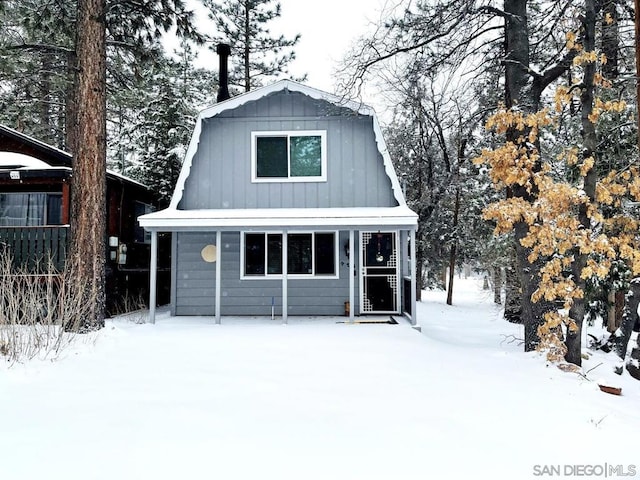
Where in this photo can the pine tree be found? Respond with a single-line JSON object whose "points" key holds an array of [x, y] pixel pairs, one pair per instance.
{"points": [[256, 54], [37, 67], [86, 258], [163, 120]]}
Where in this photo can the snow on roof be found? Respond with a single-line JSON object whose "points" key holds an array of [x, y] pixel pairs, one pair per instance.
{"points": [[15, 161], [291, 86], [279, 217]]}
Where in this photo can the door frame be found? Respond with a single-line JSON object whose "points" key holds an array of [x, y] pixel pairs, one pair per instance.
{"points": [[362, 275]]}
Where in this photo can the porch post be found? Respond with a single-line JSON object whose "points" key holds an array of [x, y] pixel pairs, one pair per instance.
{"points": [[285, 268], [153, 269], [412, 267], [218, 276], [352, 305]]}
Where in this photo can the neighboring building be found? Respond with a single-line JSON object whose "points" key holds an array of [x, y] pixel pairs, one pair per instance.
{"points": [[288, 202], [35, 199]]}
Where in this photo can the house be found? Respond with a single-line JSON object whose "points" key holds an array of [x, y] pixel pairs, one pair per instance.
{"points": [[35, 204], [288, 204]]}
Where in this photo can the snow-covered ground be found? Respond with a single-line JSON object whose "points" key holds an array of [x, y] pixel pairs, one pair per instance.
{"points": [[315, 399]]}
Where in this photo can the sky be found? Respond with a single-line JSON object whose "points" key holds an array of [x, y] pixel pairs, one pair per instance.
{"points": [[327, 33]]}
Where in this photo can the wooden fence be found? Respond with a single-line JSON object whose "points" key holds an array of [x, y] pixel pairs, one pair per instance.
{"points": [[32, 247]]}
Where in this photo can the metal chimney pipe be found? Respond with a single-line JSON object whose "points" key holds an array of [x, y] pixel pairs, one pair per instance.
{"points": [[223, 50]]}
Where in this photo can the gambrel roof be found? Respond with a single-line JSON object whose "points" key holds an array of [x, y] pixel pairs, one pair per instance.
{"points": [[176, 218]]}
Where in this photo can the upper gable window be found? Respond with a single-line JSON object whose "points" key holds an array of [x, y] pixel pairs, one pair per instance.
{"points": [[289, 156]]}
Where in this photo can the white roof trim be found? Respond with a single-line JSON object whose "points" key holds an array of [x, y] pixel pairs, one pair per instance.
{"points": [[279, 217], [259, 93]]}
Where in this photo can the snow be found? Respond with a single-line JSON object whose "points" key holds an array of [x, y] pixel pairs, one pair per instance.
{"points": [[15, 160], [314, 399], [281, 217]]}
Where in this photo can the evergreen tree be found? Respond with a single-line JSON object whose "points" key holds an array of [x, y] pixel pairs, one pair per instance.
{"points": [[86, 258], [36, 67], [256, 54], [87, 252], [156, 138]]}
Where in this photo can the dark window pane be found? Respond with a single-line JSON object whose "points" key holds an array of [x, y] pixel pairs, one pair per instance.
{"points": [[299, 253], [35, 211], [140, 235], [271, 157], [379, 250], [22, 209], [306, 155], [54, 209], [274, 253], [13, 209], [254, 254], [325, 254]]}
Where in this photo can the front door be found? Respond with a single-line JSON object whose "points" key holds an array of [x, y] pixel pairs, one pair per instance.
{"points": [[379, 273]]}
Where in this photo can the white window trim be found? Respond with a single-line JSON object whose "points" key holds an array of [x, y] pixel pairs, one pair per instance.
{"points": [[308, 276], [289, 133]]}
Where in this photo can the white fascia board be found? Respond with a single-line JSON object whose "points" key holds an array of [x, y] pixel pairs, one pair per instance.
{"points": [[279, 86], [388, 164], [186, 164], [280, 217]]}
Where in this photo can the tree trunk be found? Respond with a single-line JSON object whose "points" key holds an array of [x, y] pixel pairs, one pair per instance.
{"points": [[512, 292], [497, 285], [573, 340], [611, 311], [444, 276], [619, 341], [523, 92], [70, 111], [637, 42], [419, 280], [247, 46], [634, 361], [454, 247], [516, 95], [46, 122], [456, 213], [452, 270], [86, 259]]}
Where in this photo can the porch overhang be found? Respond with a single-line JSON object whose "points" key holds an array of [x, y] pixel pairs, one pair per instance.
{"points": [[400, 217]]}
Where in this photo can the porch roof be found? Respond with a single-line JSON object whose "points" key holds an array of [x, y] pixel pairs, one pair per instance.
{"points": [[272, 218]]}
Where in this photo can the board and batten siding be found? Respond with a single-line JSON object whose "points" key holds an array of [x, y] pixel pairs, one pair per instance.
{"points": [[195, 279], [220, 175]]}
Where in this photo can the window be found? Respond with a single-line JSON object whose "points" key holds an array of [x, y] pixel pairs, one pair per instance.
{"points": [[308, 254], [289, 156], [30, 209], [139, 234]]}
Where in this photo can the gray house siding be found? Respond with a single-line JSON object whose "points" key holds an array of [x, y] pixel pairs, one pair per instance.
{"points": [[194, 281], [220, 175]]}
